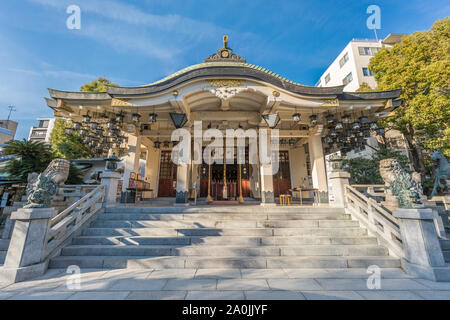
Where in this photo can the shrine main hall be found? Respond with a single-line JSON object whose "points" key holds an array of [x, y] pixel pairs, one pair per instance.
{"points": [[224, 92]]}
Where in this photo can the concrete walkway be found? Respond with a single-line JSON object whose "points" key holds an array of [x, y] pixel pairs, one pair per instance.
{"points": [[224, 284]]}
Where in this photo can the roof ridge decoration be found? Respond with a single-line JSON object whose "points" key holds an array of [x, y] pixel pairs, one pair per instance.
{"points": [[225, 54]]}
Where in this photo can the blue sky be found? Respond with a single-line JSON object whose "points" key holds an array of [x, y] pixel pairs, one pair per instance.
{"points": [[136, 42]]}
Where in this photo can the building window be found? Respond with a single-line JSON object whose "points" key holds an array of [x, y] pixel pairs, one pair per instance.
{"points": [[327, 78], [367, 51], [43, 124], [343, 60], [367, 72], [347, 79]]}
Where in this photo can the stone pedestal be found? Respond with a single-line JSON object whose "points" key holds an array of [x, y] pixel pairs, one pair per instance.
{"points": [[338, 180], [24, 259], [391, 201], [110, 179], [423, 254]]}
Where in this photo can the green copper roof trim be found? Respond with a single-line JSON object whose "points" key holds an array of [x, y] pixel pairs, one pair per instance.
{"points": [[221, 64]]}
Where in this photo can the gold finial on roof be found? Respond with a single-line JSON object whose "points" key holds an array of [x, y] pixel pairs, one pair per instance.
{"points": [[225, 41]]}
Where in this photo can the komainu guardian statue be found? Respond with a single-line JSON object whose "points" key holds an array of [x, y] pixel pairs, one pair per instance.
{"points": [[407, 188], [45, 186]]}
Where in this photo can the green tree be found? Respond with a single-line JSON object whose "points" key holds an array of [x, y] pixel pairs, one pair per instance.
{"points": [[75, 175], [365, 88], [367, 171], [68, 146], [34, 157], [98, 85], [420, 66]]}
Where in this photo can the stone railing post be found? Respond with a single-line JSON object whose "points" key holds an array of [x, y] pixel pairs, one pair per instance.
{"points": [[110, 179], [423, 255], [24, 259], [338, 180]]}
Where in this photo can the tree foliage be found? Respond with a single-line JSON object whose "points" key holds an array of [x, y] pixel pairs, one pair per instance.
{"points": [[420, 66], [68, 146], [365, 88], [98, 85], [34, 157], [367, 171]]}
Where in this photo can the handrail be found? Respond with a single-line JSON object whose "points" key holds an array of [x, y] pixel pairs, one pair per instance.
{"points": [[64, 224], [379, 221]]}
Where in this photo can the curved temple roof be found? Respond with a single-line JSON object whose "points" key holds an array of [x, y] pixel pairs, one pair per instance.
{"points": [[224, 64]]}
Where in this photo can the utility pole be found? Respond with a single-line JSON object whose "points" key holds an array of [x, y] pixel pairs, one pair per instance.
{"points": [[11, 109]]}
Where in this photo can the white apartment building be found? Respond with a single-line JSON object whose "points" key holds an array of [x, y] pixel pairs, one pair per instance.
{"points": [[42, 132], [351, 67], [7, 130]]}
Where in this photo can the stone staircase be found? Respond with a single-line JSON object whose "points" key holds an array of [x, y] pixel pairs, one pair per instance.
{"points": [[228, 237]]}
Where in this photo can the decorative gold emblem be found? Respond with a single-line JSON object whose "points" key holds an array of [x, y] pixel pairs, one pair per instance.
{"points": [[175, 93], [224, 54], [330, 103], [225, 83], [120, 103], [276, 94]]}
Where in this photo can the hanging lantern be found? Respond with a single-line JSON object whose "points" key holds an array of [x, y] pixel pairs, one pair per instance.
{"points": [[296, 117], [110, 125], [366, 133], [135, 117], [282, 142], [346, 118], [330, 118], [178, 119], [356, 125], [157, 144], [152, 117], [272, 120], [380, 131], [373, 126], [104, 118], [83, 132], [313, 119], [363, 120], [333, 132], [339, 126], [94, 125], [166, 144], [291, 142], [76, 125], [119, 117], [86, 118]]}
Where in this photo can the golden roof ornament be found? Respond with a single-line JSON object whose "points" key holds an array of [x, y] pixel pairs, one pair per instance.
{"points": [[225, 54]]}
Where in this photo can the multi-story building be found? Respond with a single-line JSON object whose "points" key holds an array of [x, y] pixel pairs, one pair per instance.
{"points": [[351, 67], [43, 131], [7, 130]]}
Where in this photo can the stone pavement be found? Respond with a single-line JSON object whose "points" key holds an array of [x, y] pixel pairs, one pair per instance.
{"points": [[224, 284]]}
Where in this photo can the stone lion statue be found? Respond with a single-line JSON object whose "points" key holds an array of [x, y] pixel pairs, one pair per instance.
{"points": [[45, 186], [407, 188]]}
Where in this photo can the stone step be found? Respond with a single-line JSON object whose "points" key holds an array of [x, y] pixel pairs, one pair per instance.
{"points": [[223, 240], [108, 262], [225, 224], [171, 232], [219, 251], [228, 209], [223, 216]]}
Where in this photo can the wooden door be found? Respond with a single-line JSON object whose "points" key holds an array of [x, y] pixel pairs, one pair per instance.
{"points": [[167, 175], [282, 179]]}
